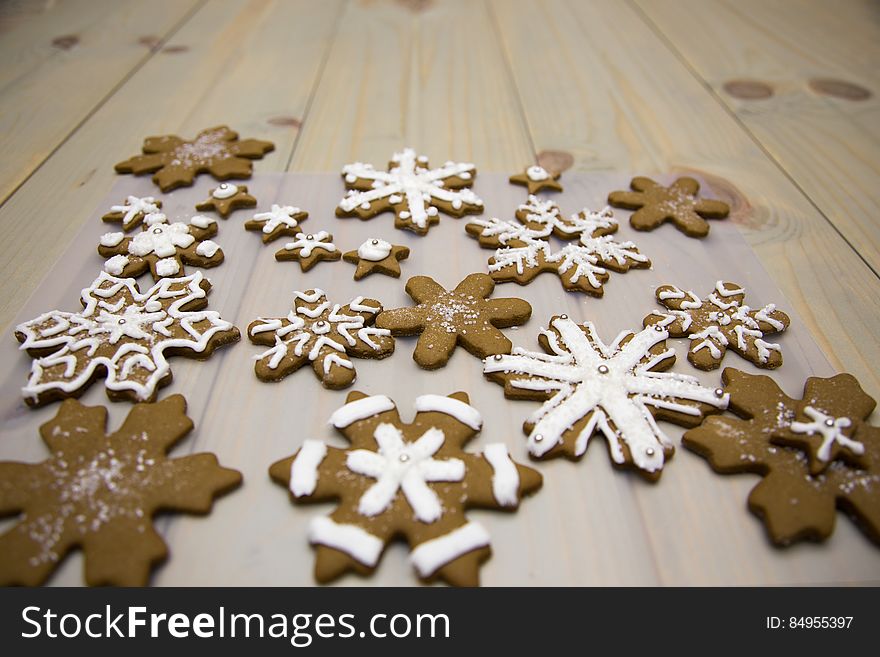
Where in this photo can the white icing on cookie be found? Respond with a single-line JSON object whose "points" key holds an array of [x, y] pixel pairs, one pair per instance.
{"points": [[831, 430], [464, 413], [167, 267], [112, 239], [505, 477], [374, 250], [537, 174], [310, 242], [435, 553], [351, 539], [163, 240], [278, 216], [304, 468], [116, 265], [360, 409], [207, 249], [224, 190]]}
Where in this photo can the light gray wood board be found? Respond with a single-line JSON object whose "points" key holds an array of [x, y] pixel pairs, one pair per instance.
{"points": [[589, 525]]}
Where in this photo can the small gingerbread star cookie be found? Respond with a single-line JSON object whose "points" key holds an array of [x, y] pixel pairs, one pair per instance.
{"points": [[537, 179], [227, 197], [377, 256], [310, 249], [280, 221], [134, 211]]}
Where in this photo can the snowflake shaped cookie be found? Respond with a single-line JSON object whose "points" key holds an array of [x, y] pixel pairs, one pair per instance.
{"points": [[655, 204], [226, 198], [162, 249], [310, 249], [280, 221], [176, 162], [815, 455], [537, 179], [123, 335], [617, 390], [135, 210], [320, 333], [99, 492], [523, 250], [415, 193], [411, 481], [718, 323], [466, 316]]}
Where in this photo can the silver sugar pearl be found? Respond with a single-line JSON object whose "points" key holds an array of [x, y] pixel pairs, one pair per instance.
{"points": [[563, 317], [498, 356], [603, 369], [122, 321], [538, 437], [719, 392], [374, 242], [404, 458], [650, 451], [829, 422]]}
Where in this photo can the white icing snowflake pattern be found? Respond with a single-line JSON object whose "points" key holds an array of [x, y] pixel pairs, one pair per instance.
{"points": [[590, 386], [831, 430], [415, 193]]}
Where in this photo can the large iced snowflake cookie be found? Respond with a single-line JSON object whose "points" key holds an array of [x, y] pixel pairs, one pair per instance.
{"points": [[655, 204], [415, 193], [523, 249], [618, 390], [718, 323], [121, 334], [323, 334], [99, 492], [404, 480], [175, 162], [162, 248], [445, 318], [816, 455]]}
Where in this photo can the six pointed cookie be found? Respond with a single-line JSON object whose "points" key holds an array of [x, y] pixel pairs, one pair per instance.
{"points": [[310, 249], [176, 162], [280, 221], [99, 492], [410, 481], [466, 316], [325, 335], [162, 249], [135, 210], [718, 323], [226, 198], [678, 203], [537, 179], [377, 256], [805, 482]]}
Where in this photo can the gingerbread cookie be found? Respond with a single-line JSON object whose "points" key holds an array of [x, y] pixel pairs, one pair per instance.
{"points": [[415, 193], [814, 454], [718, 323], [162, 249], [590, 387], [176, 162], [226, 198], [523, 250], [280, 221], [404, 480], [99, 493], [377, 256], [678, 203], [322, 334], [537, 179], [123, 335], [310, 249], [135, 210], [466, 316]]}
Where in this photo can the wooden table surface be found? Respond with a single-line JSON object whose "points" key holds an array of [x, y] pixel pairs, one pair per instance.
{"points": [[774, 101]]}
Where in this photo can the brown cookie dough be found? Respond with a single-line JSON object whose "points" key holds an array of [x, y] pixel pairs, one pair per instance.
{"points": [[176, 162], [162, 249], [537, 179], [122, 335], [718, 323], [135, 210], [678, 203], [310, 249], [280, 221], [322, 333], [99, 493], [377, 256], [466, 316], [812, 461], [410, 481], [226, 198]]}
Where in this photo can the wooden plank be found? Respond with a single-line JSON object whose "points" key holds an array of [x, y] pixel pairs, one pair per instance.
{"points": [[830, 146], [251, 65], [60, 60], [427, 75], [595, 75]]}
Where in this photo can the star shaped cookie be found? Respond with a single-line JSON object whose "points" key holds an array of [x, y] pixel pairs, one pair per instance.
{"points": [[377, 256], [465, 316], [537, 179], [280, 221], [226, 198], [310, 249]]}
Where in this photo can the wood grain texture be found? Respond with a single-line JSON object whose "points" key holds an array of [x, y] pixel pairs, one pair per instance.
{"points": [[432, 78], [625, 102], [828, 144], [60, 60], [245, 63]]}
